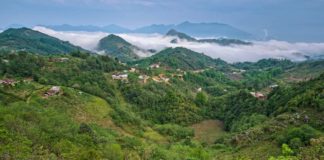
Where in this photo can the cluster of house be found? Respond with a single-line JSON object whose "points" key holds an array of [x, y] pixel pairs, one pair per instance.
{"points": [[8, 82], [160, 78], [258, 95], [55, 90]]}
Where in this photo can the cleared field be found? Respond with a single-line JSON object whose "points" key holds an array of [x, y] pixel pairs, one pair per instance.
{"points": [[208, 131]]}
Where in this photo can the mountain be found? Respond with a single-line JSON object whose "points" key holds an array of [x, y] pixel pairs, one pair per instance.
{"points": [[155, 28], [180, 35], [220, 41], [25, 39], [181, 58], [90, 28], [199, 30], [194, 29], [117, 47]]}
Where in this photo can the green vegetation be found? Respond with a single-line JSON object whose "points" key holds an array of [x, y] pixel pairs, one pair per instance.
{"points": [[181, 58], [117, 47], [200, 112], [24, 39]]}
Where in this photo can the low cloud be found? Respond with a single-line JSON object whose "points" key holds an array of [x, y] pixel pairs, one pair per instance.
{"points": [[234, 53], [86, 40]]}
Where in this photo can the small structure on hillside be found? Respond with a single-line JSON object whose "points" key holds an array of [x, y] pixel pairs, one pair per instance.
{"points": [[273, 86], [198, 71], [8, 82], [155, 65], [199, 89], [120, 76], [53, 91], [179, 76], [143, 78], [132, 70], [258, 95], [62, 59], [161, 78]]}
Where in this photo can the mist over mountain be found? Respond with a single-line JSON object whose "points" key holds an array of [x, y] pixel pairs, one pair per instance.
{"points": [[194, 29], [231, 53]]}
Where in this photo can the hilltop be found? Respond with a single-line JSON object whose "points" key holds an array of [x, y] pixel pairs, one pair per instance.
{"points": [[117, 47], [25, 39], [181, 58]]}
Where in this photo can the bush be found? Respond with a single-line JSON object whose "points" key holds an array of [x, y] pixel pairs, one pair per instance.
{"points": [[303, 133], [175, 131]]}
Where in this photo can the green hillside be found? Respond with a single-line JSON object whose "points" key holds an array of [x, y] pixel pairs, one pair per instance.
{"points": [[24, 39], [117, 47], [181, 58], [206, 112]]}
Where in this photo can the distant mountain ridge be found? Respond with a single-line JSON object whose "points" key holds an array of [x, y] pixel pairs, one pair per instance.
{"points": [[220, 41], [90, 28], [194, 29], [25, 39]]}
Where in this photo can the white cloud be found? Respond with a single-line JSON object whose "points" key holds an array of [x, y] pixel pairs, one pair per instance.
{"points": [[87, 40], [235, 53]]}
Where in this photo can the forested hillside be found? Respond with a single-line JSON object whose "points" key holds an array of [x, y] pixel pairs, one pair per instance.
{"points": [[25, 39], [87, 106]]}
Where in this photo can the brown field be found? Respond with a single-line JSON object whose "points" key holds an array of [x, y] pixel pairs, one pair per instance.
{"points": [[208, 131]]}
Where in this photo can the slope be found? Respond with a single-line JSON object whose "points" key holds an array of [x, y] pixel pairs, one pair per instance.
{"points": [[24, 39]]}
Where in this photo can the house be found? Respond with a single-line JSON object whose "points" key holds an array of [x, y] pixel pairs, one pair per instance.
{"points": [[258, 95], [273, 86], [132, 70], [53, 91], [62, 59], [179, 76], [161, 78], [143, 78], [155, 65], [120, 76], [198, 71], [199, 89], [8, 82]]}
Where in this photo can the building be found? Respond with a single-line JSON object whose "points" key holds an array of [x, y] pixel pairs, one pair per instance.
{"points": [[161, 78], [8, 82], [53, 91], [273, 86], [258, 95], [62, 59], [120, 76], [155, 65], [143, 78], [132, 70]]}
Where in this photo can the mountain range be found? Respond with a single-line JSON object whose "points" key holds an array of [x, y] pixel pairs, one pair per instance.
{"points": [[194, 29]]}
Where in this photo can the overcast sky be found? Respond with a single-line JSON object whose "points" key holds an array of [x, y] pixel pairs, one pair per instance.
{"points": [[292, 20]]}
